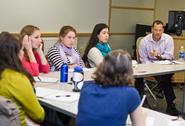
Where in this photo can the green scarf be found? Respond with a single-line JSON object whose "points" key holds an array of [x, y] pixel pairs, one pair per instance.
{"points": [[104, 48]]}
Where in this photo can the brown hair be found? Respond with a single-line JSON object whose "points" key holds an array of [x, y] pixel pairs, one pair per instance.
{"points": [[157, 22], [115, 70], [65, 30], [27, 30]]}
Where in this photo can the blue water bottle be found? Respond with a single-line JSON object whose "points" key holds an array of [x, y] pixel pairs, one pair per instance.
{"points": [[64, 73], [181, 54]]}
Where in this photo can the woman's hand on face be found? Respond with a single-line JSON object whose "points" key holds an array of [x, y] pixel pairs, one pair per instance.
{"points": [[40, 48], [27, 43]]}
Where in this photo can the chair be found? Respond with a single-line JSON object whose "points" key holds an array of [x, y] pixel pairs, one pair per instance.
{"points": [[9, 113], [147, 80]]}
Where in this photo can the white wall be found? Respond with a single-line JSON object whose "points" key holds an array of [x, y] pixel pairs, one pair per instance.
{"points": [[51, 15]]}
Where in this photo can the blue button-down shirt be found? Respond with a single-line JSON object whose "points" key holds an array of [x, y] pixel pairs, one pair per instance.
{"points": [[164, 47]]}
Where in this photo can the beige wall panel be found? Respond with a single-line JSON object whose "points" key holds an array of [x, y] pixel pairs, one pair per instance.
{"points": [[116, 42], [134, 3], [163, 6], [122, 42], [82, 42], [124, 21]]}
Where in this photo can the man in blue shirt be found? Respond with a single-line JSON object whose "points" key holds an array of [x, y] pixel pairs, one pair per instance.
{"points": [[159, 46]]}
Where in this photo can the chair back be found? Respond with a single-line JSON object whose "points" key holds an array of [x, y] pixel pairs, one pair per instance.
{"points": [[9, 113], [138, 42]]}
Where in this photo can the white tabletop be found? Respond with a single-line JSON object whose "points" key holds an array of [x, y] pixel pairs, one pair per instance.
{"points": [[71, 108], [141, 70], [152, 69]]}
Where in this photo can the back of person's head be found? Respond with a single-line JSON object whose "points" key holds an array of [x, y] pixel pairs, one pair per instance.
{"points": [[65, 30], [27, 30], [94, 38], [9, 54], [115, 70], [9, 50]]}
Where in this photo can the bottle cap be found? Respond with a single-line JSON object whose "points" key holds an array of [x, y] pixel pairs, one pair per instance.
{"points": [[78, 69]]}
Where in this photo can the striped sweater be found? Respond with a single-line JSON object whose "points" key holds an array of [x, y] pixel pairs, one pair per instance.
{"points": [[56, 60]]}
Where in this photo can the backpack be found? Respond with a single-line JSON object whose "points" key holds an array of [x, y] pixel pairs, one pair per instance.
{"points": [[9, 113]]}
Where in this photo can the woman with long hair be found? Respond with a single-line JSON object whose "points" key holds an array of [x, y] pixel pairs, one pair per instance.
{"points": [[33, 60], [97, 47], [16, 83]]}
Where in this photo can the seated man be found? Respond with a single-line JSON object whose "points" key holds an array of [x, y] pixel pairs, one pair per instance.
{"points": [[158, 46]]}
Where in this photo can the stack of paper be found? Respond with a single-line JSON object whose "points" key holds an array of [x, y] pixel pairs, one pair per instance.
{"points": [[168, 62], [163, 62]]}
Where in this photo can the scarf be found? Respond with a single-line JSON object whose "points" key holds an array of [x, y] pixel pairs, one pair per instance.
{"points": [[69, 55], [104, 48]]}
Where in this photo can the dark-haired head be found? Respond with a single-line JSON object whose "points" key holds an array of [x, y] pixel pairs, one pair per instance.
{"points": [[94, 38], [9, 54], [115, 70]]}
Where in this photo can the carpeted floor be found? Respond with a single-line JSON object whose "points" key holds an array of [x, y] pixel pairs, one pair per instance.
{"points": [[160, 104]]}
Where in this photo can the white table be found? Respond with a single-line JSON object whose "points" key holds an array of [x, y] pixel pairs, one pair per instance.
{"points": [[71, 109], [142, 70]]}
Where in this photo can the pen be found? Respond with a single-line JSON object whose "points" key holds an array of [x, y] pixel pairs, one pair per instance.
{"points": [[143, 99], [39, 78], [57, 96]]}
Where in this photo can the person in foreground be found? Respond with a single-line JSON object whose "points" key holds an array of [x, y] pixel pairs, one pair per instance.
{"points": [[63, 51], [108, 100], [33, 60], [97, 47], [159, 46], [16, 83]]}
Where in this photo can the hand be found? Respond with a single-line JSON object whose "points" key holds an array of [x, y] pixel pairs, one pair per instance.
{"points": [[154, 53], [40, 48], [26, 43]]}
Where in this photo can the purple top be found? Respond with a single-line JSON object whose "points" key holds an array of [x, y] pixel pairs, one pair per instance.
{"points": [[164, 47]]}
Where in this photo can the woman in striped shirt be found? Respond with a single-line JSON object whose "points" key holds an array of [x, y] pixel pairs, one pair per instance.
{"points": [[63, 51]]}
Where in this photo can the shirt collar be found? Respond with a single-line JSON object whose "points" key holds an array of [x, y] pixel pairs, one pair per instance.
{"points": [[161, 40]]}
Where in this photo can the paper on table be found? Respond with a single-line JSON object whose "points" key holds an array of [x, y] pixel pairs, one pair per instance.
{"points": [[63, 96], [43, 92], [168, 62], [57, 95], [45, 79], [163, 62]]}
